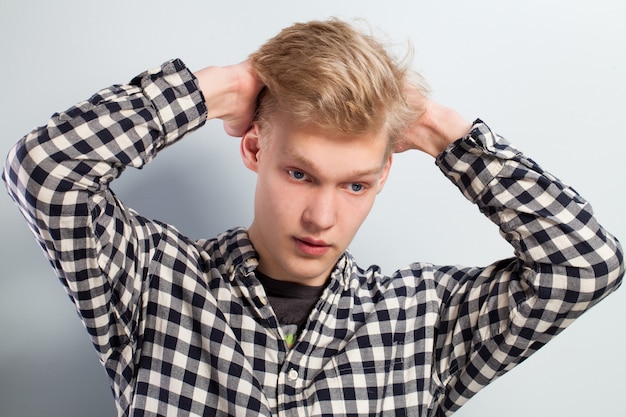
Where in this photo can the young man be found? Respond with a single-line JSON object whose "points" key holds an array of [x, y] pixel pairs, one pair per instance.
{"points": [[278, 319]]}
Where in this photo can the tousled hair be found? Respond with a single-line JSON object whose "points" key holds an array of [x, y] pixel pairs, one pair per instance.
{"points": [[328, 75]]}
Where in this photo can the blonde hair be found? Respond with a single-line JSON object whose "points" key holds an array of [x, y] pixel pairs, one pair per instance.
{"points": [[328, 75]]}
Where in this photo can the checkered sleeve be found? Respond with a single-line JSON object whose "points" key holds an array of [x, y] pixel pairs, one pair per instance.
{"points": [[493, 318], [59, 176]]}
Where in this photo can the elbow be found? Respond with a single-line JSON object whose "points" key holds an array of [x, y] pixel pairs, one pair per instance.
{"points": [[588, 282], [22, 174], [608, 270]]}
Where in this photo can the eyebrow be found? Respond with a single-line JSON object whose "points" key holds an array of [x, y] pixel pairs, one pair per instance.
{"points": [[301, 159]]}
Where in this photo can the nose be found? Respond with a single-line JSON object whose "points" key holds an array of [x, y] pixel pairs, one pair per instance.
{"points": [[320, 212]]}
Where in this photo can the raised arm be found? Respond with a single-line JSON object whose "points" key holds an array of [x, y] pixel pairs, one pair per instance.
{"points": [[60, 175], [493, 318]]}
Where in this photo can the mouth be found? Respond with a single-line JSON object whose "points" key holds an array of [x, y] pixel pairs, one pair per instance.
{"points": [[311, 247]]}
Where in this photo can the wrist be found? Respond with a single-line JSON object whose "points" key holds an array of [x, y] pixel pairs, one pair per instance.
{"points": [[217, 86], [446, 126]]}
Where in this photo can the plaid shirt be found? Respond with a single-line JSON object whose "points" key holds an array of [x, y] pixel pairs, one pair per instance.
{"points": [[183, 327]]}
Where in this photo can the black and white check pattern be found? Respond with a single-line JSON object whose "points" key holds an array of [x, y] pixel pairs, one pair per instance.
{"points": [[184, 327]]}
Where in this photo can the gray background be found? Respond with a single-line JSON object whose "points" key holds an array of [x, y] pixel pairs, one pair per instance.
{"points": [[548, 75]]}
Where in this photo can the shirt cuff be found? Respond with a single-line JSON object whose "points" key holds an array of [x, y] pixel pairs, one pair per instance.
{"points": [[176, 96], [473, 161]]}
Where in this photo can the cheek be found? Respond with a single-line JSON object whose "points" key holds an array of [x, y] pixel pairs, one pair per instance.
{"points": [[354, 213], [274, 200]]}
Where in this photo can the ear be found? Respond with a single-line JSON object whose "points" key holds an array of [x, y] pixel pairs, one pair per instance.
{"points": [[384, 174], [250, 148]]}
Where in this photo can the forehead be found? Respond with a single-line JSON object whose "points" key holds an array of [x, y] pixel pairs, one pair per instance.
{"points": [[284, 127], [325, 150]]}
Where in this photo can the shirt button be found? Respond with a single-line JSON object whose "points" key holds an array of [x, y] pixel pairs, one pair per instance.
{"points": [[292, 375]]}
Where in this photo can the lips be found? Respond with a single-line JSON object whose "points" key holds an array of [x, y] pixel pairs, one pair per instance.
{"points": [[311, 247]]}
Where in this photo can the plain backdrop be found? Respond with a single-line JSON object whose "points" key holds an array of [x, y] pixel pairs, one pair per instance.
{"points": [[547, 75]]}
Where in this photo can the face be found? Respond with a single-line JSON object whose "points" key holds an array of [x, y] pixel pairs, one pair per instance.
{"points": [[314, 190]]}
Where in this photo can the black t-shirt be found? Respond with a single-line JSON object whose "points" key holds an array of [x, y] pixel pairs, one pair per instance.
{"points": [[291, 302]]}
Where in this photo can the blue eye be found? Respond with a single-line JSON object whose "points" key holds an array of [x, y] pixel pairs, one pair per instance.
{"points": [[297, 175], [356, 187]]}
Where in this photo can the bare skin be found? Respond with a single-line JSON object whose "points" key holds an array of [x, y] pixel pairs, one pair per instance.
{"points": [[230, 94], [434, 129]]}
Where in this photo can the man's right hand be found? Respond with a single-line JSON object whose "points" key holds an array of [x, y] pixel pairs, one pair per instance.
{"points": [[230, 94]]}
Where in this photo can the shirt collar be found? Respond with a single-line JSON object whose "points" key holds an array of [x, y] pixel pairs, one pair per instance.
{"points": [[240, 256]]}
